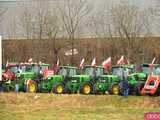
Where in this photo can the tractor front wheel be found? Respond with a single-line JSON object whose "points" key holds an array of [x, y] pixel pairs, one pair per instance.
{"points": [[32, 87], [58, 88], [86, 88], [114, 89]]}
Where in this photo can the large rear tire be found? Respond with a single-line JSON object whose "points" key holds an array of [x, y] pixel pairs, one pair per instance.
{"points": [[138, 88]]}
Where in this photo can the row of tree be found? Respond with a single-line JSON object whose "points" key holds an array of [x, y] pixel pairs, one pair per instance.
{"points": [[121, 29]]}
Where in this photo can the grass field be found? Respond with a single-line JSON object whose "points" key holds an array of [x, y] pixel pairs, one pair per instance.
{"points": [[25, 106]]}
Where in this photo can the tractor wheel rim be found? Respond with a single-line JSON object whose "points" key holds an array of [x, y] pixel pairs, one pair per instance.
{"points": [[86, 89], [115, 90], [59, 89], [32, 87]]}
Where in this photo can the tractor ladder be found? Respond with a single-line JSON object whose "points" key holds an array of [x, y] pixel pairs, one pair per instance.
{"points": [[151, 85]]}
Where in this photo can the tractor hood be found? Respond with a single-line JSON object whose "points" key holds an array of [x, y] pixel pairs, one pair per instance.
{"points": [[140, 75], [81, 76], [113, 77], [27, 75], [56, 77]]}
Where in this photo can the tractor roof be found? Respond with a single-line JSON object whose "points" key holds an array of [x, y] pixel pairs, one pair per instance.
{"points": [[68, 67], [92, 66], [123, 66], [147, 65]]}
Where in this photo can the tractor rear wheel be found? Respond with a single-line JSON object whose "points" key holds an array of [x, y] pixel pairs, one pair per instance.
{"points": [[138, 89], [58, 88], [86, 88]]}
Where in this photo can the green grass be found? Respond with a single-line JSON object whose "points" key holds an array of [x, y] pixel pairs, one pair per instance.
{"points": [[24, 106]]}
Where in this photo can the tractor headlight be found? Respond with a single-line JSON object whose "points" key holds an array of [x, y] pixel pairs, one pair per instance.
{"points": [[74, 81]]}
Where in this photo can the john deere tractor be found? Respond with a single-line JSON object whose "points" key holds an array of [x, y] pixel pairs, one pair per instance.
{"points": [[26, 78], [111, 82], [57, 83], [84, 83]]}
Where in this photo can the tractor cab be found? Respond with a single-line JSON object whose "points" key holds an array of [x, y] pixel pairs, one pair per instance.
{"points": [[67, 71], [122, 71], [148, 68], [93, 71]]}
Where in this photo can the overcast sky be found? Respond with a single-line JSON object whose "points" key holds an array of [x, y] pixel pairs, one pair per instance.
{"points": [[12, 5]]}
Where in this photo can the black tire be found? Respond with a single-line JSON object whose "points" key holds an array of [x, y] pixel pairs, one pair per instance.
{"points": [[66, 90], [111, 89], [87, 85], [58, 88], [138, 88], [157, 93]]}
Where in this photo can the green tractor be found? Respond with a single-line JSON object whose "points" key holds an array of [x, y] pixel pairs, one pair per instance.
{"points": [[27, 76], [57, 83], [84, 83], [111, 82], [137, 79]]}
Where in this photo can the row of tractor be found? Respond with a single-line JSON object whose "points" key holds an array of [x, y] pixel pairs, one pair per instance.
{"points": [[33, 77]]}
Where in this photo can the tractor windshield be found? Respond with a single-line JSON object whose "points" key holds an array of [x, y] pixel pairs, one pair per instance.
{"points": [[117, 71], [63, 71], [89, 71], [14, 69], [99, 71], [35, 69], [72, 72]]}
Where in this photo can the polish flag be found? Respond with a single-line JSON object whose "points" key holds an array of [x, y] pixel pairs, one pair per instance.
{"points": [[93, 64], [107, 63], [30, 60], [153, 60], [152, 65], [82, 63], [121, 61]]}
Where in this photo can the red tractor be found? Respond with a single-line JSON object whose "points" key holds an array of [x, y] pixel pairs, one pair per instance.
{"points": [[10, 72], [152, 85]]}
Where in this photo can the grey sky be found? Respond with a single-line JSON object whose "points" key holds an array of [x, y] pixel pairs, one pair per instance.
{"points": [[13, 8]]}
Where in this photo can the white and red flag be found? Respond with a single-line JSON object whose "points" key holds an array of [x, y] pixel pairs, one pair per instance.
{"points": [[82, 63], [93, 64], [30, 60], [107, 63], [152, 65], [121, 61]]}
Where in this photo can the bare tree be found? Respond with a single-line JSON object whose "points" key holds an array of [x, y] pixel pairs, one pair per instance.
{"points": [[129, 26], [72, 14]]}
